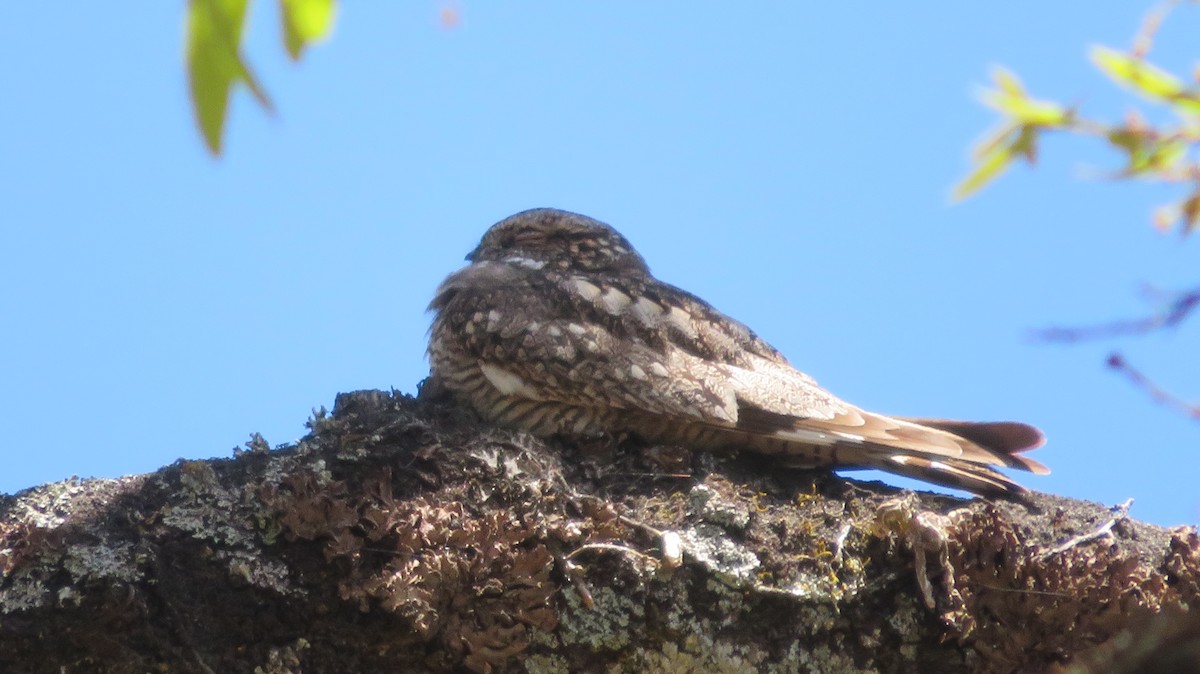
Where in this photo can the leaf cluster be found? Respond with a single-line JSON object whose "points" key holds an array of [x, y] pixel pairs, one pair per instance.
{"points": [[1166, 153], [215, 63]]}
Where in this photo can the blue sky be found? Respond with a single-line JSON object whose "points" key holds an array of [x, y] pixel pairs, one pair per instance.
{"points": [[789, 162]]}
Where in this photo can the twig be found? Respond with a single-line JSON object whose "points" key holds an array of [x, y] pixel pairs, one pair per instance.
{"points": [[1120, 513], [1117, 362], [612, 547], [669, 542], [1179, 308], [639, 525], [1144, 39]]}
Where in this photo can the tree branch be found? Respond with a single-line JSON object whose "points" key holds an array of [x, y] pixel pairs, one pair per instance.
{"points": [[1177, 309], [1117, 362]]}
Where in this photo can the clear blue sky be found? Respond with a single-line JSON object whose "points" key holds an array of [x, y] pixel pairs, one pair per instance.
{"points": [[789, 162]]}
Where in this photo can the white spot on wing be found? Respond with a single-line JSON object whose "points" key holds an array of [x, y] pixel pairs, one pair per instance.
{"points": [[658, 369], [647, 312], [681, 321], [525, 262], [588, 291], [506, 382], [637, 372], [615, 301]]}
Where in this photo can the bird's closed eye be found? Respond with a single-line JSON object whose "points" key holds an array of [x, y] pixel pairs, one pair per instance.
{"points": [[526, 237]]}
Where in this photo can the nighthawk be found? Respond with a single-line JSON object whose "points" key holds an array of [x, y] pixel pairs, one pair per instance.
{"points": [[558, 327]]}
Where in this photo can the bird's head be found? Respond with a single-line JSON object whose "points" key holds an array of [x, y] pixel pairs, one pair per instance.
{"points": [[558, 240]]}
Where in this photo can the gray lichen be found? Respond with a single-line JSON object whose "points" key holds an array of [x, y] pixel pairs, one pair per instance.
{"points": [[404, 536], [707, 545], [607, 625]]}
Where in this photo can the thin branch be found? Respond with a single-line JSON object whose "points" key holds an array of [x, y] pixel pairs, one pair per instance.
{"points": [[1120, 512], [1179, 308], [1144, 40], [611, 547], [1117, 362]]}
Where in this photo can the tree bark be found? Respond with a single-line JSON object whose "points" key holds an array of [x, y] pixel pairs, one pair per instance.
{"points": [[402, 535]]}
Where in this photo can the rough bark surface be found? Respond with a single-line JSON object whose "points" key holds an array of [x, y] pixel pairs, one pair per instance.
{"points": [[402, 535]]}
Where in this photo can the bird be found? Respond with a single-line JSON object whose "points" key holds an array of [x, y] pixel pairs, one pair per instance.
{"points": [[557, 327]]}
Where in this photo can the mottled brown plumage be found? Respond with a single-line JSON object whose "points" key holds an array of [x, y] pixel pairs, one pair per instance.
{"points": [[558, 327]]}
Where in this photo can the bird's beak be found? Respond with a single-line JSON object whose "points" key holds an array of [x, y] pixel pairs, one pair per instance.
{"points": [[471, 255]]}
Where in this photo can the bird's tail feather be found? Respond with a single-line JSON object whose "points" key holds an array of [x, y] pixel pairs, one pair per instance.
{"points": [[957, 454], [1004, 439], [954, 473]]}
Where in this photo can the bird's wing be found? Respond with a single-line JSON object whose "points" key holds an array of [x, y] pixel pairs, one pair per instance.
{"points": [[585, 364], [587, 351]]}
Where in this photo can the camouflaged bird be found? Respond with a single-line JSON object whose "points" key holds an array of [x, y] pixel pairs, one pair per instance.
{"points": [[558, 327]]}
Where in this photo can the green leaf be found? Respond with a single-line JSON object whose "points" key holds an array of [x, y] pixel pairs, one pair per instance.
{"points": [[1010, 99], [1135, 73], [1146, 79], [1148, 153], [987, 169], [1008, 82], [306, 22], [1189, 101], [1027, 110], [989, 143], [1168, 154], [214, 34]]}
